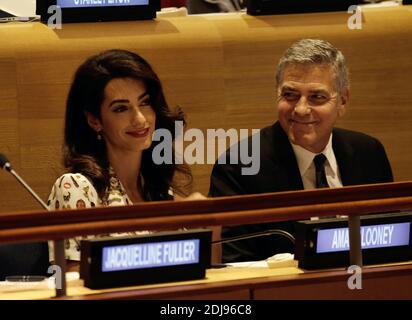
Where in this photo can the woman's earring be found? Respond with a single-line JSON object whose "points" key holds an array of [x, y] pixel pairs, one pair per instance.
{"points": [[99, 136]]}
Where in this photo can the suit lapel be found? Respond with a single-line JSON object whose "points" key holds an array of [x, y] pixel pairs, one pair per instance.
{"points": [[285, 158], [344, 154]]}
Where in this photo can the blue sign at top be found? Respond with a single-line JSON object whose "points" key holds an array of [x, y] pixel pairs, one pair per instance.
{"points": [[100, 3]]}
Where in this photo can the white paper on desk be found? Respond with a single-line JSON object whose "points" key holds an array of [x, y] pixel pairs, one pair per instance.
{"points": [[10, 286], [20, 8], [249, 264], [381, 4], [280, 259], [49, 283]]}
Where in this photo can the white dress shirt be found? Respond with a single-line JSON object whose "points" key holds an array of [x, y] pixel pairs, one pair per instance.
{"points": [[307, 167]]}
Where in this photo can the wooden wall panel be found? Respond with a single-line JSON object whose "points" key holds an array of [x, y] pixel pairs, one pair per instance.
{"points": [[219, 68]]}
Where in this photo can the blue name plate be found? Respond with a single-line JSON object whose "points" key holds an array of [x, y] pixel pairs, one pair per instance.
{"points": [[97, 10], [150, 258], [99, 3], [150, 255], [324, 243], [374, 236]]}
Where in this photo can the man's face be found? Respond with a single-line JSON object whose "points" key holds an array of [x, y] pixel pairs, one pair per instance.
{"points": [[309, 104]]}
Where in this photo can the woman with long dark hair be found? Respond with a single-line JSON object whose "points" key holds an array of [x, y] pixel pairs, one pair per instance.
{"points": [[115, 104]]}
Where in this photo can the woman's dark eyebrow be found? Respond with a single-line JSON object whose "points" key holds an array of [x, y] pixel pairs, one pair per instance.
{"points": [[143, 95], [118, 101]]}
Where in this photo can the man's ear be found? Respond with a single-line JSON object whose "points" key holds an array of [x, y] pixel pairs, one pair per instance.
{"points": [[344, 99], [93, 121]]}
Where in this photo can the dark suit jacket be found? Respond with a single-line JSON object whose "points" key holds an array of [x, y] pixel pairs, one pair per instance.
{"points": [[361, 160]]}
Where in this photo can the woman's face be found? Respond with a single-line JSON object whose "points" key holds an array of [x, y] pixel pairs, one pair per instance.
{"points": [[127, 120]]}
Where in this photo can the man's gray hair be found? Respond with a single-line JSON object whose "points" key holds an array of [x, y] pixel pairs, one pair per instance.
{"points": [[314, 51]]}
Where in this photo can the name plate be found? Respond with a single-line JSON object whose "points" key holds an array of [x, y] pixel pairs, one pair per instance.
{"points": [[153, 258], [324, 243], [375, 236], [96, 10]]}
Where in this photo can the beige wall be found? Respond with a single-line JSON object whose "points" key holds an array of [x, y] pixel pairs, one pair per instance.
{"points": [[219, 68]]}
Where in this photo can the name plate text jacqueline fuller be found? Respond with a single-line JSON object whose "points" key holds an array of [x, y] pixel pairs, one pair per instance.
{"points": [[153, 258], [150, 255]]}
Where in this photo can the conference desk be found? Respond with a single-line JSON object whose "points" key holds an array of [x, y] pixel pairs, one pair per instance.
{"points": [[378, 282], [392, 281]]}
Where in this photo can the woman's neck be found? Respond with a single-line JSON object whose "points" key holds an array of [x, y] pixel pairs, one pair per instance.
{"points": [[127, 168]]}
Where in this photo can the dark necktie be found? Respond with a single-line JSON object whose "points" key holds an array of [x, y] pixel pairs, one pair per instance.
{"points": [[319, 161]]}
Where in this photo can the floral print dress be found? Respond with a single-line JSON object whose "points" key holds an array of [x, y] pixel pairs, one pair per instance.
{"points": [[74, 190]]}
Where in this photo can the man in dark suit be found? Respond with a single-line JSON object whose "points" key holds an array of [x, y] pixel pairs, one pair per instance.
{"points": [[302, 150]]}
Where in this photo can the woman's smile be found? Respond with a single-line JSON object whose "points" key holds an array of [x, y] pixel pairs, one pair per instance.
{"points": [[138, 133]]}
